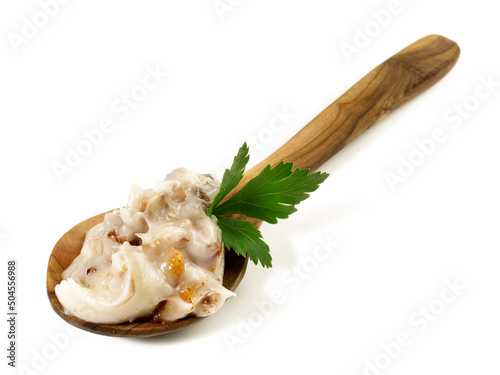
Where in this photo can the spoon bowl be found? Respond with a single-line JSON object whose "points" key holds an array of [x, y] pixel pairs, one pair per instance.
{"points": [[388, 86], [68, 248]]}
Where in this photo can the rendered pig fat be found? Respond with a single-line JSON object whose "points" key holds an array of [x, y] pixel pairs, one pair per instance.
{"points": [[160, 257]]}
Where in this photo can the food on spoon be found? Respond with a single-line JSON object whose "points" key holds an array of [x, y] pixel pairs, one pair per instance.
{"points": [[159, 257], [162, 256]]}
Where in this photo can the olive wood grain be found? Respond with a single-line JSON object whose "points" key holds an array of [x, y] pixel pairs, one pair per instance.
{"points": [[391, 84], [385, 88]]}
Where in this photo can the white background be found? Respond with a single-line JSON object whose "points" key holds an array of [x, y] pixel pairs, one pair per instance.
{"points": [[230, 70]]}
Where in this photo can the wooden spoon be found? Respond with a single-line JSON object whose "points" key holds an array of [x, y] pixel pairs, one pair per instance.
{"points": [[385, 88]]}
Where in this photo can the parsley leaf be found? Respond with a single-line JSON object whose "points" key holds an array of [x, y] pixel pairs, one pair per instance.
{"points": [[243, 238], [270, 196], [231, 177], [273, 194]]}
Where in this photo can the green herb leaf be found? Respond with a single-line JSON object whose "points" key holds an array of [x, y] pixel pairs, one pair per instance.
{"points": [[273, 194], [243, 238], [270, 196], [231, 177]]}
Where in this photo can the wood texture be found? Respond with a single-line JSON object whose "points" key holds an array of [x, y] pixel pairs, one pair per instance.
{"points": [[385, 88], [391, 84]]}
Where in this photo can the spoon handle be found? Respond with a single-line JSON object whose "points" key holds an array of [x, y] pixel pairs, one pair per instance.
{"points": [[391, 84]]}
